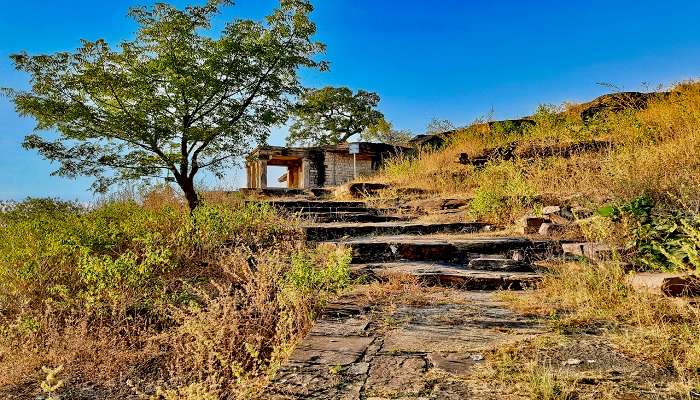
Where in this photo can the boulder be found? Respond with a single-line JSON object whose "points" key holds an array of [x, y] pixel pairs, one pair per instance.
{"points": [[559, 215], [363, 189], [668, 284], [589, 250], [530, 224]]}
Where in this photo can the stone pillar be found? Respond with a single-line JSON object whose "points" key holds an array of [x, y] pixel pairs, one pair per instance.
{"points": [[248, 175], [305, 179], [262, 174]]}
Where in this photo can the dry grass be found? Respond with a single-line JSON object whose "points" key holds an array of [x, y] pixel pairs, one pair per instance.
{"points": [[240, 288], [659, 330], [404, 290], [653, 152]]}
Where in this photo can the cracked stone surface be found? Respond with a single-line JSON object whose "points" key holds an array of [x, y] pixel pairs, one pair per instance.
{"points": [[350, 355]]}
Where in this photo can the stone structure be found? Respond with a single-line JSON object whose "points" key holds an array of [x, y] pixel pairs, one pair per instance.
{"points": [[315, 167]]}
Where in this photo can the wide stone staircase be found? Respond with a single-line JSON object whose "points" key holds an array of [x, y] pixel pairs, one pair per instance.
{"points": [[349, 355]]}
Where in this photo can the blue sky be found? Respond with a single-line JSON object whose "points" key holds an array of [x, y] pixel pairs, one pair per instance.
{"points": [[449, 59]]}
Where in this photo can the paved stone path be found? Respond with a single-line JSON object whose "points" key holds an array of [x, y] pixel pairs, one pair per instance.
{"points": [[407, 351]]}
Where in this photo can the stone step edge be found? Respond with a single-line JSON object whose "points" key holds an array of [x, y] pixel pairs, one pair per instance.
{"points": [[416, 249], [447, 275], [333, 231]]}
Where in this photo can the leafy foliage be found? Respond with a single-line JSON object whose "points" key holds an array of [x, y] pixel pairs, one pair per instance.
{"points": [[212, 299], [384, 132], [172, 101], [659, 238], [333, 115], [116, 255], [436, 126]]}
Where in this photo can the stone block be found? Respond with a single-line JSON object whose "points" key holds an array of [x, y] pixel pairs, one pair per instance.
{"points": [[573, 249], [454, 363], [530, 224], [499, 264], [598, 251], [592, 251], [668, 284], [559, 215]]}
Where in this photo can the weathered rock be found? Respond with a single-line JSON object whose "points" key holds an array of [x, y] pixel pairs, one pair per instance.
{"points": [[530, 224], [396, 375], [450, 275], [436, 204], [558, 215], [330, 350], [550, 210], [395, 364], [350, 216], [499, 264], [616, 102], [364, 189], [598, 251], [668, 284], [454, 363], [332, 231], [592, 251], [412, 248], [553, 229]]}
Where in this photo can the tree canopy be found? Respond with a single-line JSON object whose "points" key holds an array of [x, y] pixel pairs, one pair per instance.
{"points": [[332, 115], [172, 101], [436, 126], [384, 132]]}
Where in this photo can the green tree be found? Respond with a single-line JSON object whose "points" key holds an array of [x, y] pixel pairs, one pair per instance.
{"points": [[436, 126], [383, 131], [171, 102], [332, 115]]}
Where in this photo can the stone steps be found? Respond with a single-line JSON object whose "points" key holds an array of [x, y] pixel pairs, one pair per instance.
{"points": [[350, 216], [460, 250], [296, 205], [335, 231], [449, 275]]}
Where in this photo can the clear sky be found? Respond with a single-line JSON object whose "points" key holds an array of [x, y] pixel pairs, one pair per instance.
{"points": [[450, 59]]}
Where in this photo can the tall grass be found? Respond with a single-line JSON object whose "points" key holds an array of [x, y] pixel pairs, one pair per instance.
{"points": [[652, 152], [147, 298]]}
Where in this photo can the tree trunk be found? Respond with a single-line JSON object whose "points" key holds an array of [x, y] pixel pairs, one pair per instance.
{"points": [[187, 186]]}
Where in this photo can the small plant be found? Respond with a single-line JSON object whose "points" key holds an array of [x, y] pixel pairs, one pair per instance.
{"points": [[51, 384], [545, 385], [335, 369], [659, 238]]}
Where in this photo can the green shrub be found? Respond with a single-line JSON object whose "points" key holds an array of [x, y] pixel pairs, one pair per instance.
{"points": [[118, 253], [321, 270], [502, 192], [659, 238]]}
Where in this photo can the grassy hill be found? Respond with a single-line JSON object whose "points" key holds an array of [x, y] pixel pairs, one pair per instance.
{"points": [[634, 162], [650, 151]]}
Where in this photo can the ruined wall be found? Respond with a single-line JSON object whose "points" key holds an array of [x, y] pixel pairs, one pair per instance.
{"points": [[338, 168]]}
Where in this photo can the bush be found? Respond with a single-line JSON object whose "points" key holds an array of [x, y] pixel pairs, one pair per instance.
{"points": [[212, 301], [502, 192], [659, 238]]}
